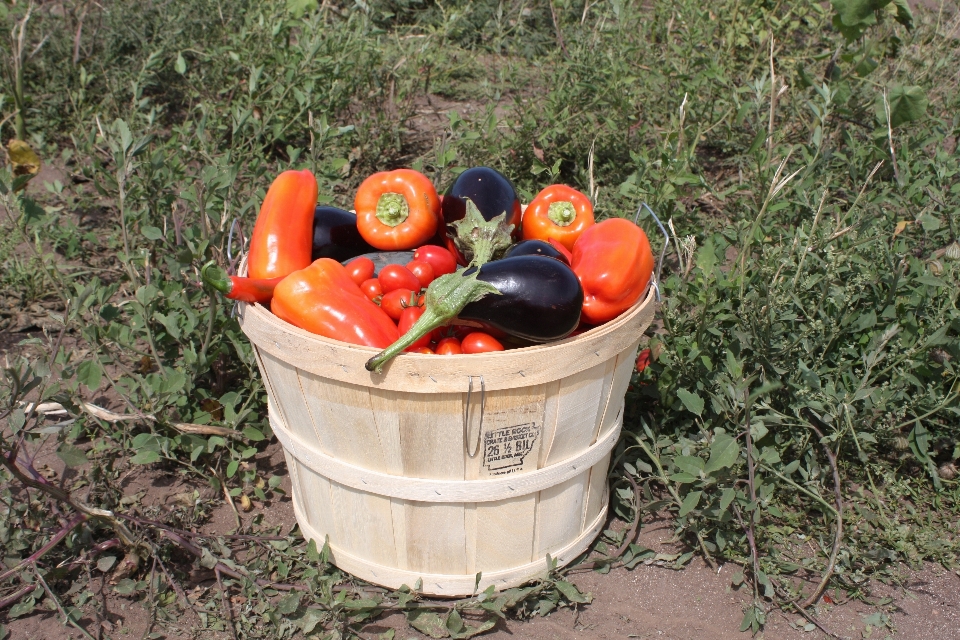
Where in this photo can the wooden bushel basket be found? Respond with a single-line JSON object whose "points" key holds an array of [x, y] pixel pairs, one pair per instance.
{"points": [[444, 467]]}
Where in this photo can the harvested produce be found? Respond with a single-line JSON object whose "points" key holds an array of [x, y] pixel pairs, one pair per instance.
{"points": [[490, 191], [480, 342], [409, 317], [549, 287], [395, 276], [448, 347], [614, 262], [238, 288], [540, 299], [282, 240], [422, 270], [397, 210], [439, 258], [394, 302], [335, 235], [322, 299], [536, 248], [361, 269], [371, 288], [558, 212]]}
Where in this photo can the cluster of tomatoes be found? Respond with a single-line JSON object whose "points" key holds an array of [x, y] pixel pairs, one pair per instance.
{"points": [[398, 290]]}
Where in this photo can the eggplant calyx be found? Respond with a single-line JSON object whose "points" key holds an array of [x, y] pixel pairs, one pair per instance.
{"points": [[445, 298], [480, 239], [216, 278], [392, 209], [561, 213]]}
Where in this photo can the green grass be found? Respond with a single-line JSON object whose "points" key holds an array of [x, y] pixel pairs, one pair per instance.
{"points": [[810, 292]]}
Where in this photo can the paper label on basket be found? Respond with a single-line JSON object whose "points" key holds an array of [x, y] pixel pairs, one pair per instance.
{"points": [[505, 450]]}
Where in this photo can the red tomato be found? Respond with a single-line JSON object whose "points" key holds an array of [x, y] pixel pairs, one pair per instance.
{"points": [[395, 276], [480, 342], [439, 258], [394, 302], [448, 347], [423, 350], [643, 360], [371, 288], [423, 271], [360, 269], [408, 317]]}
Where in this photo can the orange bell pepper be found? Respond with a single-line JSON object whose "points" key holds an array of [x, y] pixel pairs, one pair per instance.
{"points": [[324, 300], [557, 213], [614, 262], [397, 210], [282, 240]]}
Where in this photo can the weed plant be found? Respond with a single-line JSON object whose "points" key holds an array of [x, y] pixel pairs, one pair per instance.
{"points": [[799, 417]]}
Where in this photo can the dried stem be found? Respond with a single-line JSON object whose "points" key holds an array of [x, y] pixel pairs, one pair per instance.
{"points": [[751, 537], [838, 534]]}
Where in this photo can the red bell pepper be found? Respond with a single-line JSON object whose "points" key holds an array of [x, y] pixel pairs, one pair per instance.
{"points": [[282, 240], [324, 300], [397, 210], [613, 261]]}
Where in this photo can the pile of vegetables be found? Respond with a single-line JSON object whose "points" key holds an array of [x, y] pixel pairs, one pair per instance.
{"points": [[484, 275]]}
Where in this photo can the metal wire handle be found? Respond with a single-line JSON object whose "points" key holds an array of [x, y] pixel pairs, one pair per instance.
{"points": [[666, 243], [466, 414]]}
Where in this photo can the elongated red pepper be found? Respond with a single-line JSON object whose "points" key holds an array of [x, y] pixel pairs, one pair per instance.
{"points": [[323, 299], [282, 240], [613, 261], [237, 288]]}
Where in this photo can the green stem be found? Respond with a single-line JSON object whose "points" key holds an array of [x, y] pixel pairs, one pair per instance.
{"points": [[216, 278], [480, 239], [445, 298], [392, 209], [562, 213]]}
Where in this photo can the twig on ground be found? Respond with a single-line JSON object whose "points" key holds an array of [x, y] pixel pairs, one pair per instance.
{"points": [[225, 605]]}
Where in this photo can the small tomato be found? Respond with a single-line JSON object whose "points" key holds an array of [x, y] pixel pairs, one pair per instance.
{"points": [[360, 269], [395, 276], [371, 288], [394, 302], [408, 317], [442, 261], [480, 342], [448, 347], [423, 271]]}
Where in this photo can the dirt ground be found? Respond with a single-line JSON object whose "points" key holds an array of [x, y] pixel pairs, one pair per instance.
{"points": [[696, 603]]}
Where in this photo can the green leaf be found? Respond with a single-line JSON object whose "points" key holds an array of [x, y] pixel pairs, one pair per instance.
{"points": [[106, 563], [690, 503], [22, 608], [570, 592], [72, 456], [232, 468], [151, 233], [907, 104], [692, 402], [904, 14], [89, 374], [726, 498], [858, 12], [454, 622], [254, 435], [145, 457], [690, 464], [126, 587], [428, 623], [297, 8], [724, 451], [180, 65], [289, 603]]}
